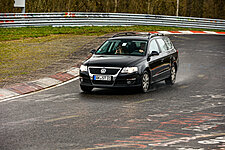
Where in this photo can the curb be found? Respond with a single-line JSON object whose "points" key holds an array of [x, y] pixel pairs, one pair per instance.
{"points": [[188, 32], [53, 80], [37, 85]]}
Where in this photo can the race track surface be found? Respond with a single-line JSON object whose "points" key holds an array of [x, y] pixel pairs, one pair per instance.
{"points": [[189, 115]]}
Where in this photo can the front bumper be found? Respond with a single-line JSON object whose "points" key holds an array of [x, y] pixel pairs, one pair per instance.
{"points": [[121, 80]]}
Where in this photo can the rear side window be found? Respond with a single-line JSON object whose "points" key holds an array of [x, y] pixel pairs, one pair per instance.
{"points": [[168, 43], [162, 45], [154, 47]]}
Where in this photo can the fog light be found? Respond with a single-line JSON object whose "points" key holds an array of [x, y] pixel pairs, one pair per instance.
{"points": [[129, 82], [132, 79], [81, 79]]}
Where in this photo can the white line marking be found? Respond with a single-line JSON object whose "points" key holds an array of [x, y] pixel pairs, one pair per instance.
{"points": [[210, 32], [165, 32], [186, 32]]}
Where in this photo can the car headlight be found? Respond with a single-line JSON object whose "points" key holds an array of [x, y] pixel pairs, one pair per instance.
{"points": [[83, 68], [129, 69]]}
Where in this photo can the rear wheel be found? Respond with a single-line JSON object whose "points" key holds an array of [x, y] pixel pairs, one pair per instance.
{"points": [[145, 82], [86, 88], [171, 80]]}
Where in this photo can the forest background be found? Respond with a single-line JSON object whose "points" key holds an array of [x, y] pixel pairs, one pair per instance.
{"points": [[189, 8]]}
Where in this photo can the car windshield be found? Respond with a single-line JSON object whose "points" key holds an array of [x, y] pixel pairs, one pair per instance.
{"points": [[123, 47]]}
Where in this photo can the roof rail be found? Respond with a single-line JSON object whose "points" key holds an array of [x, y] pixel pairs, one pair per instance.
{"points": [[156, 34], [150, 35], [125, 34]]}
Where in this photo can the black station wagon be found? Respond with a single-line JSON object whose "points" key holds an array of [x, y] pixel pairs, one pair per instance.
{"points": [[130, 59]]}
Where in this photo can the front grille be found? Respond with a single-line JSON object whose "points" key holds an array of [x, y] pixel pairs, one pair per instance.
{"points": [[109, 71]]}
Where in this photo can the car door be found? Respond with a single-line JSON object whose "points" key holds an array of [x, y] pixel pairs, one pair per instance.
{"points": [[165, 59], [155, 63]]}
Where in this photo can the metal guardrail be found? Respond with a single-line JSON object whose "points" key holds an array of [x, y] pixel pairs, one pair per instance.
{"points": [[105, 19]]}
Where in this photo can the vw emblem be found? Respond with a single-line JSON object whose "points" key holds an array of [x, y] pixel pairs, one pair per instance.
{"points": [[103, 70]]}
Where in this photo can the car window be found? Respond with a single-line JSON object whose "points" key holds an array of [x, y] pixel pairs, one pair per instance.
{"points": [[168, 43], [162, 45], [154, 47], [123, 47], [105, 47]]}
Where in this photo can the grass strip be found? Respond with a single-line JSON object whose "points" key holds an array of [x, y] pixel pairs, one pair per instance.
{"points": [[33, 32], [22, 57]]}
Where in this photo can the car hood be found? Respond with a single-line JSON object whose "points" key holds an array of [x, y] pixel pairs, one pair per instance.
{"points": [[113, 61]]}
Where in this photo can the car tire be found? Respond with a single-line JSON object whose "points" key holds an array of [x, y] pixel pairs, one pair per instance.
{"points": [[171, 80], [86, 89], [145, 82]]}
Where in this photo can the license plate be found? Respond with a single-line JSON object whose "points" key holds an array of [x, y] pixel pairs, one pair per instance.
{"points": [[102, 78]]}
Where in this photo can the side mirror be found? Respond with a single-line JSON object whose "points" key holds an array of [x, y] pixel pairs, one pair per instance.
{"points": [[93, 51], [154, 53]]}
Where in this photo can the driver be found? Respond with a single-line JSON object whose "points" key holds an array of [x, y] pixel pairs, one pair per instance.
{"points": [[119, 49]]}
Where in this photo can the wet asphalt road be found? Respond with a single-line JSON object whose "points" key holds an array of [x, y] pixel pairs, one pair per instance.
{"points": [[187, 116]]}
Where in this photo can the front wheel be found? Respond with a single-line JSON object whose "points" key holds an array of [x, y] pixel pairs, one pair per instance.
{"points": [[86, 89], [145, 82], [171, 80]]}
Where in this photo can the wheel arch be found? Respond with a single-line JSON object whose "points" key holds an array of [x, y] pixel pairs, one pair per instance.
{"points": [[149, 72]]}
